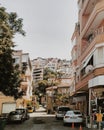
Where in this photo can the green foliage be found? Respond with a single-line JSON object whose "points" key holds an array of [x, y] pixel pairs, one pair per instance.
{"points": [[16, 24], [42, 86], [49, 74], [10, 80]]}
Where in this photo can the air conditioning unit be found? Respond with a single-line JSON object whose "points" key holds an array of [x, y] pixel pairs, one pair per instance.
{"points": [[88, 69]]}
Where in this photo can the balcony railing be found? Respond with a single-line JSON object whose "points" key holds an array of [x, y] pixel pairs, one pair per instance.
{"points": [[83, 82], [96, 9], [92, 37]]}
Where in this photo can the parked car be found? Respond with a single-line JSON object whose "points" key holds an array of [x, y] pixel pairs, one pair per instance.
{"points": [[73, 116], [15, 116], [61, 111], [24, 113]]}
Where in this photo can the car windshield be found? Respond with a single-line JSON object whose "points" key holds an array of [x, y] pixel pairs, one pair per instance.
{"points": [[20, 110], [13, 113], [64, 108], [77, 112], [74, 112]]}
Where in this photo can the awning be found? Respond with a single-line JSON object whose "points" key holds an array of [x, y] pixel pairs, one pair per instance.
{"points": [[87, 60]]}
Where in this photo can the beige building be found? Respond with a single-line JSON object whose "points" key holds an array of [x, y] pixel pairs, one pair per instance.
{"points": [[88, 56], [23, 60], [58, 95]]}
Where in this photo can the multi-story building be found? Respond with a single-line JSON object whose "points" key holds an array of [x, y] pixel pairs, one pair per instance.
{"points": [[38, 65], [65, 68], [23, 60], [88, 56], [37, 74], [52, 64]]}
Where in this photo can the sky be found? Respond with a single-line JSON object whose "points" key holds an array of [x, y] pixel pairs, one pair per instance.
{"points": [[49, 25]]}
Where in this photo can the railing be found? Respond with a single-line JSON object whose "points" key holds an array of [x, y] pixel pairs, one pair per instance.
{"points": [[92, 36], [84, 81]]}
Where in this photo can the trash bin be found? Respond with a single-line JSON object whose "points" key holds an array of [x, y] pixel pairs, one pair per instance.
{"points": [[2, 123]]}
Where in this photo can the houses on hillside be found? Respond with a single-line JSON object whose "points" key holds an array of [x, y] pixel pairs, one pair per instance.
{"points": [[53, 64]]}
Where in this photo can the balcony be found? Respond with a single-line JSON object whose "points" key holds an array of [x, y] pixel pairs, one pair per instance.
{"points": [[94, 20], [97, 37], [82, 84], [88, 5]]}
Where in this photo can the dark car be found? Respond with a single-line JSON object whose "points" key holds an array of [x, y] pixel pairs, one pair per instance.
{"points": [[15, 116], [24, 112], [61, 111]]}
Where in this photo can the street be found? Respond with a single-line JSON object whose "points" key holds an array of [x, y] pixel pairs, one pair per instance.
{"points": [[39, 120]]}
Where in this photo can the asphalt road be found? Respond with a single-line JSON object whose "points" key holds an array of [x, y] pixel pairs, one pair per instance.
{"points": [[40, 120]]}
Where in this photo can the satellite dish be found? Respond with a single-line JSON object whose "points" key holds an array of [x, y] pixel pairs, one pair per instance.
{"points": [[88, 69]]}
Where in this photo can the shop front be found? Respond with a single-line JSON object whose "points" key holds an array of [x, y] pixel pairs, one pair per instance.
{"points": [[96, 98], [80, 101]]}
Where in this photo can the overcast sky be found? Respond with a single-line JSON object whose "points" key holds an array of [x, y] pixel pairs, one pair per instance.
{"points": [[49, 25]]}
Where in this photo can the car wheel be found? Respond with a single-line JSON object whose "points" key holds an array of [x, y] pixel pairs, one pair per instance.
{"points": [[56, 117], [21, 120], [64, 124], [27, 117]]}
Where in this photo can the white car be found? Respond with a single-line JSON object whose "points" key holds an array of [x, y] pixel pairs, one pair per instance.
{"points": [[73, 116]]}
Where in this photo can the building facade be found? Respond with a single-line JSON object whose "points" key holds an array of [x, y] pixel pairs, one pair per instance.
{"points": [[88, 56], [24, 62]]}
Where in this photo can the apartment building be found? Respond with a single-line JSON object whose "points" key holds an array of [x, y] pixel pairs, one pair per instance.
{"points": [[23, 60], [88, 57], [52, 64], [65, 68], [38, 65]]}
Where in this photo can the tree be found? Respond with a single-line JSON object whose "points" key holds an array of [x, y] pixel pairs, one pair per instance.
{"points": [[49, 74], [42, 86], [10, 79]]}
